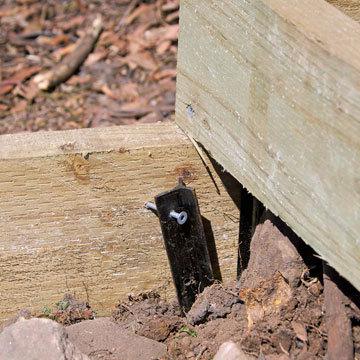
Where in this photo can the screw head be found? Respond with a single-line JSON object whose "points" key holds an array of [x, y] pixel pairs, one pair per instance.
{"points": [[183, 216]]}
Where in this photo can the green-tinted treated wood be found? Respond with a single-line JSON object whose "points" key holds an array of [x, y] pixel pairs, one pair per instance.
{"points": [[271, 88], [73, 218]]}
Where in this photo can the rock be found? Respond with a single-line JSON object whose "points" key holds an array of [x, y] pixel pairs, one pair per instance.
{"points": [[281, 357], [230, 351], [103, 339], [37, 339], [22, 314], [211, 304], [273, 249], [159, 328]]}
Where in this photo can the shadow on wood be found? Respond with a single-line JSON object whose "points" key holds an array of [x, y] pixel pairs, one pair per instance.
{"points": [[210, 240]]}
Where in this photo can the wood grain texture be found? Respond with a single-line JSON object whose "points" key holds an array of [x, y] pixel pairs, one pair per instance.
{"points": [[272, 91], [348, 7], [73, 219]]}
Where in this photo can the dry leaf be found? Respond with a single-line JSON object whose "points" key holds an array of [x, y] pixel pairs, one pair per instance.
{"points": [[129, 92], [145, 13], [151, 118], [170, 6], [137, 105], [172, 17], [95, 57], [172, 32], [20, 106], [60, 53], [143, 59], [7, 85], [5, 88], [300, 330], [28, 91], [79, 80], [73, 22], [25, 73], [108, 92], [163, 47], [53, 41], [3, 107], [11, 11], [167, 73], [156, 35]]}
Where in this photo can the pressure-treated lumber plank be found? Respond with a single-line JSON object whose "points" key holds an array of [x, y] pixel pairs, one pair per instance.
{"points": [[272, 89], [73, 219]]}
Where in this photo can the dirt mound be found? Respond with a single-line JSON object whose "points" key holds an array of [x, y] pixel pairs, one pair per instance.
{"points": [[68, 311], [274, 311], [271, 319], [148, 315]]}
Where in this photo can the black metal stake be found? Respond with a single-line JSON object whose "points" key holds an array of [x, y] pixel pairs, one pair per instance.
{"points": [[185, 244]]}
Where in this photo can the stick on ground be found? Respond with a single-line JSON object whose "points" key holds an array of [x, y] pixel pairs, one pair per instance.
{"points": [[340, 342], [70, 64]]}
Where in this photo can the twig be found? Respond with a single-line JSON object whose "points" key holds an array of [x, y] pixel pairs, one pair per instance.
{"points": [[69, 65], [316, 329], [132, 5], [204, 348], [142, 111], [340, 342], [283, 350]]}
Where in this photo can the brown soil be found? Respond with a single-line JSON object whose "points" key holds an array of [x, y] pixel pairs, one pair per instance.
{"points": [[276, 310], [294, 325], [68, 311]]}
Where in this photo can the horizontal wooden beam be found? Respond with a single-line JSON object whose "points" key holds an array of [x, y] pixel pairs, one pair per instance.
{"points": [[271, 88], [73, 219]]}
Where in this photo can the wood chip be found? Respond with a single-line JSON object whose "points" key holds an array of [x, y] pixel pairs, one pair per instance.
{"points": [[62, 71], [300, 331]]}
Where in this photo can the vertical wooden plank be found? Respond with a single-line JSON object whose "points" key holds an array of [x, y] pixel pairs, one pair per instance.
{"points": [[272, 91]]}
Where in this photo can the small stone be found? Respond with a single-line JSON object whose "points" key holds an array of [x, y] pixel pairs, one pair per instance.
{"points": [[37, 339], [22, 314], [213, 303], [230, 351], [91, 336]]}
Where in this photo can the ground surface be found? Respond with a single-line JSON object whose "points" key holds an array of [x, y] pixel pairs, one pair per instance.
{"points": [[129, 77], [275, 311], [295, 327]]}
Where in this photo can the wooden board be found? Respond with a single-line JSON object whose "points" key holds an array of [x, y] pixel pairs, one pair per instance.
{"points": [[272, 89], [73, 219]]}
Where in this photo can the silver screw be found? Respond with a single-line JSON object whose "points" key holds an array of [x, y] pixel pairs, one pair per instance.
{"points": [[181, 217], [151, 206]]}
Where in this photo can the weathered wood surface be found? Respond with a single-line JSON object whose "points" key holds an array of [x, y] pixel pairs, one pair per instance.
{"points": [[271, 88], [73, 219]]}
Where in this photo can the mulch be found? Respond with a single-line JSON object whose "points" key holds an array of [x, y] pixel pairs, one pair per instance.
{"points": [[128, 78]]}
